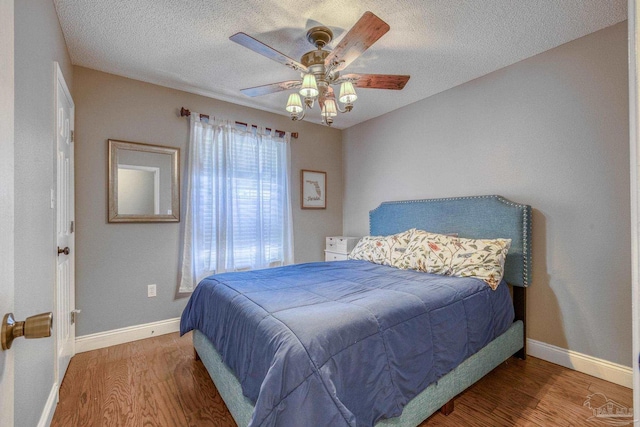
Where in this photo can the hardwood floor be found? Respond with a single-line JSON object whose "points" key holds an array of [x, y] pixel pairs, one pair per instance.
{"points": [[157, 382]]}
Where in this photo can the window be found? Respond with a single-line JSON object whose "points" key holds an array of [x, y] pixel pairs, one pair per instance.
{"points": [[238, 214]]}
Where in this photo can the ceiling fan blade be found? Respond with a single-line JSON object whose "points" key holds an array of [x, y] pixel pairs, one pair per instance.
{"points": [[264, 50], [376, 81], [271, 88], [360, 37]]}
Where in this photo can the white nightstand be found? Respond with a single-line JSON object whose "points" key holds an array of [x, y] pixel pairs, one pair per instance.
{"points": [[338, 247]]}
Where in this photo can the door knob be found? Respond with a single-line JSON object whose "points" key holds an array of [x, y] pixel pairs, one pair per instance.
{"points": [[65, 251], [38, 326]]}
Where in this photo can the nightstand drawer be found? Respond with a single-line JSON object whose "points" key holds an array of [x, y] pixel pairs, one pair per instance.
{"points": [[334, 256], [341, 244], [332, 243]]}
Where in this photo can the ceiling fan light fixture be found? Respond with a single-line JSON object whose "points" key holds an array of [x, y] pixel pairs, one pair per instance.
{"points": [[320, 69], [347, 93], [294, 104], [309, 87]]}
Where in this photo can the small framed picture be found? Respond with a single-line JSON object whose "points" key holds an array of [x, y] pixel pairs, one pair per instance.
{"points": [[313, 189]]}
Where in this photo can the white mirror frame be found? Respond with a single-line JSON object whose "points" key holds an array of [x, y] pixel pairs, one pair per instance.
{"points": [[115, 147]]}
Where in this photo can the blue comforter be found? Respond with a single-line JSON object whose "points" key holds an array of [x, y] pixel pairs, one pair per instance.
{"points": [[342, 343]]}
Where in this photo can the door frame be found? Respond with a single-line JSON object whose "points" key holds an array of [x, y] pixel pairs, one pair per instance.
{"points": [[633, 23], [7, 159]]}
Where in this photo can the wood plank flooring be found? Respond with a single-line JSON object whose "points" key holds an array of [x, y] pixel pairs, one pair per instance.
{"points": [[157, 382]]}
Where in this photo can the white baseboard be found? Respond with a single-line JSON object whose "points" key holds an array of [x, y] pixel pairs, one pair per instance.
{"points": [[49, 407], [124, 335], [599, 368]]}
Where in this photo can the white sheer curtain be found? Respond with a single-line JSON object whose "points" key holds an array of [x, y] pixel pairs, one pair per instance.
{"points": [[238, 204]]}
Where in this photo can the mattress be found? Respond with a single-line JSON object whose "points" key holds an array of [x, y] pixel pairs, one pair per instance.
{"points": [[342, 343]]}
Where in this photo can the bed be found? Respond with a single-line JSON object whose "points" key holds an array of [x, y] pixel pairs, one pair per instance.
{"points": [[270, 371]]}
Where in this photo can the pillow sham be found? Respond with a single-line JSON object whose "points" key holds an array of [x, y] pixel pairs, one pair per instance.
{"points": [[385, 250], [457, 256]]}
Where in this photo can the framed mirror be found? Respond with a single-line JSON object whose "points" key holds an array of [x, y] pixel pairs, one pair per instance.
{"points": [[144, 182]]}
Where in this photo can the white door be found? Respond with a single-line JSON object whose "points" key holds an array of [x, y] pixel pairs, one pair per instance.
{"points": [[6, 201], [65, 286]]}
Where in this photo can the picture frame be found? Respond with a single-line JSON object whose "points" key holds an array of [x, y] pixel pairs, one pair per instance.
{"points": [[313, 189]]}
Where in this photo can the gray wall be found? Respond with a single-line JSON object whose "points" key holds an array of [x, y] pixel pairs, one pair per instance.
{"points": [[550, 131], [38, 43], [6, 199], [116, 262]]}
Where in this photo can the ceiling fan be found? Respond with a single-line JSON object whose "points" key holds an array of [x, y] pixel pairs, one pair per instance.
{"points": [[321, 68]]}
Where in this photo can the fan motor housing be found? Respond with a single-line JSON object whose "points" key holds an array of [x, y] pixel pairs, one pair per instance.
{"points": [[314, 57]]}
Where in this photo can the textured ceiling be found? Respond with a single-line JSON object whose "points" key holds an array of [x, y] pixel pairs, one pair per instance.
{"points": [[441, 43]]}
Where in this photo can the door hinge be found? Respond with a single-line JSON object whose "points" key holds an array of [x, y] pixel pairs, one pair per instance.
{"points": [[72, 227], [71, 136], [74, 315]]}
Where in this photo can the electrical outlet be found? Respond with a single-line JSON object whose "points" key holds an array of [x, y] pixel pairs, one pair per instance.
{"points": [[151, 291]]}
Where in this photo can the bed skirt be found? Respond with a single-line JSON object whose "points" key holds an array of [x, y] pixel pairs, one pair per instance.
{"points": [[417, 410]]}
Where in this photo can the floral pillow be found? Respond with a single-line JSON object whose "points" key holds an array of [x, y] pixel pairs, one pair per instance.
{"points": [[456, 256], [385, 250], [361, 250]]}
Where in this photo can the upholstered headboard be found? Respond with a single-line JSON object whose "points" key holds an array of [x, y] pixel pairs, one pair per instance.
{"points": [[478, 217]]}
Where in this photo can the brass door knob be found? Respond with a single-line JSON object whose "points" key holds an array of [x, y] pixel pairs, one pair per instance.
{"points": [[65, 251], [38, 326]]}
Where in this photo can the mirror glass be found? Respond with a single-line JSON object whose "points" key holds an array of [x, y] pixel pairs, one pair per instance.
{"points": [[143, 182]]}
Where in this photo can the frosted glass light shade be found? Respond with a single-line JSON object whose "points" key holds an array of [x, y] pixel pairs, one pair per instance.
{"points": [[309, 87], [347, 93], [294, 104], [329, 109]]}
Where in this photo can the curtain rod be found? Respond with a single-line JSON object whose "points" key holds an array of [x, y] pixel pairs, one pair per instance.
{"points": [[184, 112]]}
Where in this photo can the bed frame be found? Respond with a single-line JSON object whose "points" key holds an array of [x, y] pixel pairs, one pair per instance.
{"points": [[470, 217]]}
